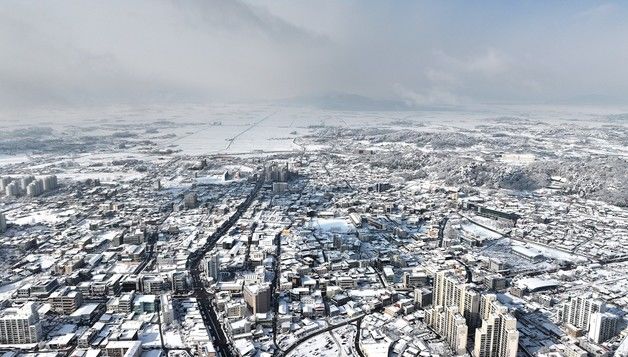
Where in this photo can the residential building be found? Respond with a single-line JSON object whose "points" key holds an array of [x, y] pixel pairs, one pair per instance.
{"points": [[65, 301], [258, 297], [498, 335], [602, 326], [20, 325], [578, 310]]}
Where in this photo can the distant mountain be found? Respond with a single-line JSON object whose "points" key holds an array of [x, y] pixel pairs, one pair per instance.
{"points": [[592, 99], [346, 101]]}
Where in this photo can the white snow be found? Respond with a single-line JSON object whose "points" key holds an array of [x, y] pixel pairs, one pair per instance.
{"points": [[332, 225]]}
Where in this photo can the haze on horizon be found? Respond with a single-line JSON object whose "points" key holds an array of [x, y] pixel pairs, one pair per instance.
{"points": [[427, 53]]}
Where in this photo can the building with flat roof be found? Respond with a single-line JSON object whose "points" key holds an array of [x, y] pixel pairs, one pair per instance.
{"points": [[20, 325], [123, 349], [602, 326], [65, 300], [498, 335], [257, 297]]}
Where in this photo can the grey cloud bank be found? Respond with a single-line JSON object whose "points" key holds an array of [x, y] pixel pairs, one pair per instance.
{"points": [[421, 54]]}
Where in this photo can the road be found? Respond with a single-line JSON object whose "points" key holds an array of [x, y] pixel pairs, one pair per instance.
{"points": [[287, 351], [391, 348], [233, 139], [247, 255], [441, 231], [469, 272], [358, 349], [274, 284], [204, 299], [277, 272]]}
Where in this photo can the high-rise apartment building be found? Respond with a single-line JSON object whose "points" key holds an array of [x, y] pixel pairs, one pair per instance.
{"points": [[25, 181], [4, 181], [602, 326], [455, 309], [451, 325], [495, 328], [450, 289], [257, 297], [12, 189], [577, 311], [35, 188], [498, 335], [49, 183], [20, 325]]}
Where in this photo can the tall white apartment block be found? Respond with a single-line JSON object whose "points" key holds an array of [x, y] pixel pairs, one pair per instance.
{"points": [[451, 325], [20, 325], [602, 326], [578, 310], [498, 335], [450, 289]]}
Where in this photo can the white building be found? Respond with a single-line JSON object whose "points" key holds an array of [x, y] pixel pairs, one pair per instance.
{"points": [[450, 324], [578, 310], [12, 189], [123, 349], [35, 188], [3, 223], [50, 183], [20, 325], [450, 289], [602, 326], [498, 335], [167, 313], [213, 267]]}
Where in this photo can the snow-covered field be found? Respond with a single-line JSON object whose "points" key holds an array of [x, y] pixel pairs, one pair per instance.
{"points": [[332, 225], [553, 253], [236, 128], [319, 346], [12, 159], [43, 216], [478, 231]]}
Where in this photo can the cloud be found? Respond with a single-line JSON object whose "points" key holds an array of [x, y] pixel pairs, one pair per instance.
{"points": [[88, 53], [149, 51], [597, 12], [431, 97]]}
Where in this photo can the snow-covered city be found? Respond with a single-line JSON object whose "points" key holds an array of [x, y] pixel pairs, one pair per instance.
{"points": [[293, 178], [364, 234]]}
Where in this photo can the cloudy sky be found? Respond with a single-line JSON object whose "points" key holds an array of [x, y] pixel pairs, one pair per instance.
{"points": [[68, 53]]}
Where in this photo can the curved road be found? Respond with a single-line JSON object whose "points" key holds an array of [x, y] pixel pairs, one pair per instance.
{"points": [[316, 333]]}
